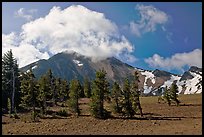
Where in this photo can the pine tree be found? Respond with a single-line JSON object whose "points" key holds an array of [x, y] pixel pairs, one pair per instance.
{"points": [[87, 88], [135, 93], [33, 89], [74, 96], [43, 93], [167, 95], [25, 95], [29, 90], [116, 94], [10, 81], [173, 93], [127, 104], [52, 86], [64, 90], [81, 90], [100, 88]]}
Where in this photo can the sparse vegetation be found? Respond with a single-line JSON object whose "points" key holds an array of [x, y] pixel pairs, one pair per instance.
{"points": [[63, 113]]}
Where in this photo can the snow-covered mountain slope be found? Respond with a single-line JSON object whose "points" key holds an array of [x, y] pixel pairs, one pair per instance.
{"points": [[189, 83]]}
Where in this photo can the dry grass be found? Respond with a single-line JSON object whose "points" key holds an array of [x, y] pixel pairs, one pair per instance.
{"points": [[158, 119]]}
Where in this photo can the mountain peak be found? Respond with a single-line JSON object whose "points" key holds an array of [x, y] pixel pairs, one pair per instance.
{"points": [[195, 69]]}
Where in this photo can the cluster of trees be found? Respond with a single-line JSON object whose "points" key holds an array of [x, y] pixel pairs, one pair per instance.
{"points": [[126, 100], [21, 90], [170, 95]]}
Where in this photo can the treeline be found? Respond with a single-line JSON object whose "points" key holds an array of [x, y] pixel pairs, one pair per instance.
{"points": [[22, 91]]}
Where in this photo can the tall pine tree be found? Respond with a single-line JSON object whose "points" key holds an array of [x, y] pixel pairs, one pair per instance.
{"points": [[10, 81], [43, 93], [74, 96], [127, 104], [174, 93], [87, 88], [100, 88], [135, 94], [116, 95]]}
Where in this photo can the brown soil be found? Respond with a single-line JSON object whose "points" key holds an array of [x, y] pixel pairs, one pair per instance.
{"points": [[158, 119]]}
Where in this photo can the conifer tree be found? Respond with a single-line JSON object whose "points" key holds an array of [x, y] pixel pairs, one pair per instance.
{"points": [[87, 88], [25, 95], [100, 88], [64, 90], [52, 86], [29, 89], [10, 81], [43, 93], [127, 104], [116, 95], [167, 95], [173, 93], [81, 90], [135, 93], [74, 96]]}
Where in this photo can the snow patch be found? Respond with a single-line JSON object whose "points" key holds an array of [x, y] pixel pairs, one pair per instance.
{"points": [[192, 84], [148, 75], [77, 62], [34, 67], [170, 81]]}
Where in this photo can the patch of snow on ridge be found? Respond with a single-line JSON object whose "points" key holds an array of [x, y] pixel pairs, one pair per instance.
{"points": [[170, 81], [192, 84], [34, 67], [148, 75], [77, 62]]}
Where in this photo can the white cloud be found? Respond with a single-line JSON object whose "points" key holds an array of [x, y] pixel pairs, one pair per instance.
{"points": [[22, 13], [150, 18], [75, 28], [23, 52], [177, 61]]}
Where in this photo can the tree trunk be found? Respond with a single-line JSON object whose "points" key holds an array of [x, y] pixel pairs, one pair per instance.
{"points": [[13, 93]]}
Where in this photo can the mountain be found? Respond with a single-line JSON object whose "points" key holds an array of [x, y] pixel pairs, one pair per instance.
{"points": [[73, 65]]}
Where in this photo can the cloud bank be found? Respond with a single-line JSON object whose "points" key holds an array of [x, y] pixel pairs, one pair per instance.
{"points": [[177, 61], [75, 28]]}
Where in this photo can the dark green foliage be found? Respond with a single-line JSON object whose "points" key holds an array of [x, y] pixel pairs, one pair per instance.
{"points": [[29, 89], [170, 95], [173, 93], [127, 104], [99, 90], [135, 94], [43, 93], [81, 90], [51, 85], [10, 82], [87, 88], [62, 112], [167, 96], [74, 96], [116, 98]]}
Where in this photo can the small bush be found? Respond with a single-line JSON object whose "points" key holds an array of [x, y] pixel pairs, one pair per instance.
{"points": [[14, 115], [35, 116], [63, 113]]}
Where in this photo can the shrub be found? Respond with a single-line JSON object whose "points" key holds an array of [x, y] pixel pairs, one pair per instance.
{"points": [[63, 113]]}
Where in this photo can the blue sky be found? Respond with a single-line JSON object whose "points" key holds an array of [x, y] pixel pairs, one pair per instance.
{"points": [[163, 35]]}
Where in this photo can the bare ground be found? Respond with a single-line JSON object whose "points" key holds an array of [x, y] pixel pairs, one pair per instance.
{"points": [[158, 119]]}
